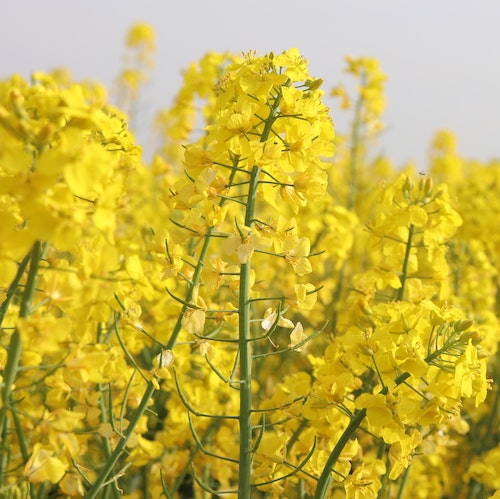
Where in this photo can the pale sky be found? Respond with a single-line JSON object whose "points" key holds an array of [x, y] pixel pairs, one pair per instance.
{"points": [[442, 57]]}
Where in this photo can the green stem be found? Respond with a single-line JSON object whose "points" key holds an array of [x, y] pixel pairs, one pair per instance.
{"points": [[15, 347], [404, 481], [29, 290], [115, 456], [113, 459], [296, 434], [406, 261], [476, 490], [196, 275], [181, 477], [106, 443], [190, 291], [245, 384], [337, 293], [13, 287], [4, 453], [252, 196], [326, 477], [245, 347], [245, 354], [20, 434]]}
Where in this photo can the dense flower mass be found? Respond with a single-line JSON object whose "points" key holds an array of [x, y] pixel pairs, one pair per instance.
{"points": [[263, 311]]}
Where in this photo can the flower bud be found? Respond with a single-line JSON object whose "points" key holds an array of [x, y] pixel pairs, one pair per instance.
{"points": [[314, 84], [46, 133], [368, 349], [408, 186], [482, 354], [428, 186], [436, 319], [474, 336], [406, 325], [463, 325]]}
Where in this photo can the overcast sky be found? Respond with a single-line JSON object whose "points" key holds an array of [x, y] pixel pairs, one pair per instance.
{"points": [[442, 56]]}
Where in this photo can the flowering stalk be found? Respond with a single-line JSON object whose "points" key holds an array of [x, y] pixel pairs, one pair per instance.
{"points": [[245, 340], [267, 118]]}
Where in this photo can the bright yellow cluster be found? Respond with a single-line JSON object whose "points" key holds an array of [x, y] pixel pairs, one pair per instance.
{"points": [[70, 181], [178, 123], [250, 313]]}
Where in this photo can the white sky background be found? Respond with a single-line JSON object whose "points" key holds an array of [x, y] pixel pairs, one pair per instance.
{"points": [[442, 57]]}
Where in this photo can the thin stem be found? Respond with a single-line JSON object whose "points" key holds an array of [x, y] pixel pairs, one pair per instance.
{"points": [[245, 418], [326, 477], [355, 147], [337, 293], [196, 277], [406, 261], [113, 459], [207, 436], [296, 434], [106, 442], [404, 481], [29, 290]]}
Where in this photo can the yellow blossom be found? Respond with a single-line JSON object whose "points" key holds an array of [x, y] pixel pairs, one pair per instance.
{"points": [[43, 465], [297, 336]]}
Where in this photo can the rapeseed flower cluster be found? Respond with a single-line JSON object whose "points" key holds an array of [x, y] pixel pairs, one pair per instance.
{"points": [[264, 310]]}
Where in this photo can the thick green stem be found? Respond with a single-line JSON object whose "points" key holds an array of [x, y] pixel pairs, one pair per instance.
{"points": [[245, 384], [245, 354], [245, 350]]}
